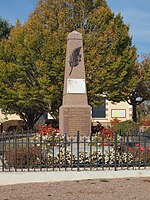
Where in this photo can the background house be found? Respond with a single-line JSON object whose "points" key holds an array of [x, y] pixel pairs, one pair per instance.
{"points": [[104, 114], [108, 111]]}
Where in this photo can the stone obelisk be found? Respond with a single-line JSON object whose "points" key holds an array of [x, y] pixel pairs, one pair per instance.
{"points": [[75, 113]]}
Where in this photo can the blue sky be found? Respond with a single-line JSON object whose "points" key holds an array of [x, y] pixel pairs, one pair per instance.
{"points": [[136, 13]]}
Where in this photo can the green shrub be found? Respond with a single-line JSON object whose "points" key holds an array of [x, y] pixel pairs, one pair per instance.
{"points": [[127, 126], [147, 131]]}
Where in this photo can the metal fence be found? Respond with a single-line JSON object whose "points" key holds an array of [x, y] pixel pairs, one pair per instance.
{"points": [[29, 151]]}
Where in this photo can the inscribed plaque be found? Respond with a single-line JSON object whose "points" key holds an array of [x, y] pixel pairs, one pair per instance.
{"points": [[76, 86]]}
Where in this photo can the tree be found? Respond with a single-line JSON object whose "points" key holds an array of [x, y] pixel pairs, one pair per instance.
{"points": [[141, 91], [32, 60], [5, 28], [143, 110]]}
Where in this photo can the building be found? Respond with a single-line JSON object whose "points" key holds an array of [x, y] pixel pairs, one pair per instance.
{"points": [[108, 111], [12, 119], [104, 114]]}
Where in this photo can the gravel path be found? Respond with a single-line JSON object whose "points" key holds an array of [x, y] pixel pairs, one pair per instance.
{"points": [[105, 189]]}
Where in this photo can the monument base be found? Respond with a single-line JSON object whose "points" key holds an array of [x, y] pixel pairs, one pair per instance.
{"points": [[75, 118]]}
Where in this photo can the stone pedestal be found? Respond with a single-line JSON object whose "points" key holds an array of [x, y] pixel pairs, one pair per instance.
{"points": [[75, 113], [75, 118]]}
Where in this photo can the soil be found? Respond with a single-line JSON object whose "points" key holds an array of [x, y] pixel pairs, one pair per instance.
{"points": [[105, 189]]}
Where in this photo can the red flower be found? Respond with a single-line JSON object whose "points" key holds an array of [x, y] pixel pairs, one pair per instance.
{"points": [[107, 133]]}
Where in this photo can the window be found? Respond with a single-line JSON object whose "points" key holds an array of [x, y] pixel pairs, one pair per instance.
{"points": [[100, 112]]}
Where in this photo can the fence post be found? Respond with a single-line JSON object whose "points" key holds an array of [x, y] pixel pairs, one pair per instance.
{"points": [[15, 149], [139, 153], [144, 154], [59, 153], [53, 151], [3, 151], [115, 149], [28, 148], [127, 150], [65, 143], [41, 149], [71, 143], [91, 152], [78, 145], [103, 149]]}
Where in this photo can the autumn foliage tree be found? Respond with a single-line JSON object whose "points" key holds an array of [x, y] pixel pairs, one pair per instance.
{"points": [[32, 61], [5, 28], [141, 90]]}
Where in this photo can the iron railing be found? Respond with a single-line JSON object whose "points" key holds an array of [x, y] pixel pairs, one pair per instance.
{"points": [[37, 152]]}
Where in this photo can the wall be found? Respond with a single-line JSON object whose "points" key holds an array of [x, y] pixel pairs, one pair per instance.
{"points": [[121, 111], [4, 118]]}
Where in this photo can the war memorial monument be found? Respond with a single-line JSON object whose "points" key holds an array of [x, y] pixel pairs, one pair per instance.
{"points": [[75, 113]]}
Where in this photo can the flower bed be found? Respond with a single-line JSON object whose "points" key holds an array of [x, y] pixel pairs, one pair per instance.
{"points": [[50, 149]]}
